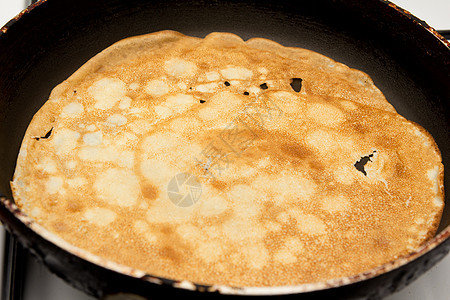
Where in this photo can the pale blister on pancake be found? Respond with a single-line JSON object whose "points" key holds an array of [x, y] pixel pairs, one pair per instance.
{"points": [[285, 205]]}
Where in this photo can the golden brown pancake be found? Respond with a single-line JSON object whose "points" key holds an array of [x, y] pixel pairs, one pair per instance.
{"points": [[221, 161]]}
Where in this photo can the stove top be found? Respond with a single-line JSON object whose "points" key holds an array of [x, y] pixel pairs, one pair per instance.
{"points": [[39, 283]]}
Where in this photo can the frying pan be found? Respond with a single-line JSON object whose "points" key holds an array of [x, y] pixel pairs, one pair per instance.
{"points": [[406, 58]]}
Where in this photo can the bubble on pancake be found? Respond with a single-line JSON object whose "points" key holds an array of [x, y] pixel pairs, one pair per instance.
{"points": [[134, 86], [288, 252], [106, 92], [76, 182], [47, 165], [329, 142], [287, 100], [143, 229], [71, 164], [180, 68], [100, 216], [54, 184], [98, 154], [210, 251], [118, 187], [126, 159], [344, 174], [253, 261], [208, 113], [125, 102], [309, 223], [163, 111], [93, 138], [180, 102], [91, 127], [336, 203], [433, 176], [116, 120], [213, 206], [157, 87], [212, 76], [140, 126], [272, 226], [72, 109], [65, 140], [325, 114], [236, 73], [157, 171], [158, 143], [207, 87]]}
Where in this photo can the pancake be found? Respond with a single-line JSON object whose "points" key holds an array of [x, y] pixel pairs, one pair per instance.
{"points": [[223, 161]]}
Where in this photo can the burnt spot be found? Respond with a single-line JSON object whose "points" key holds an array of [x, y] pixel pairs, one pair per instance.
{"points": [[296, 84], [202, 101], [359, 165], [246, 93], [227, 83], [263, 86], [46, 136]]}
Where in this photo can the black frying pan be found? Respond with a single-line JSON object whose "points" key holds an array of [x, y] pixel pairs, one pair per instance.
{"points": [[405, 58]]}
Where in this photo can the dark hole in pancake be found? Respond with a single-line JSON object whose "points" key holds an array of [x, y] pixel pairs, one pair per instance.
{"points": [[74, 91], [246, 93], [227, 83], [190, 88], [264, 86], [46, 136], [359, 165], [202, 101], [296, 84]]}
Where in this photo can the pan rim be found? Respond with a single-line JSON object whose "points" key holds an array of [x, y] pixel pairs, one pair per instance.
{"points": [[224, 289]]}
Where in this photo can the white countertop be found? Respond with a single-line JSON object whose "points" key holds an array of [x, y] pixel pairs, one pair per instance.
{"points": [[433, 285]]}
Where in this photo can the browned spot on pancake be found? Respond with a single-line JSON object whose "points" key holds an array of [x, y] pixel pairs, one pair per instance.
{"points": [[203, 66], [219, 184], [400, 170], [60, 226], [295, 150], [359, 128], [52, 200], [175, 255], [74, 206], [382, 243], [166, 229], [149, 191]]}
